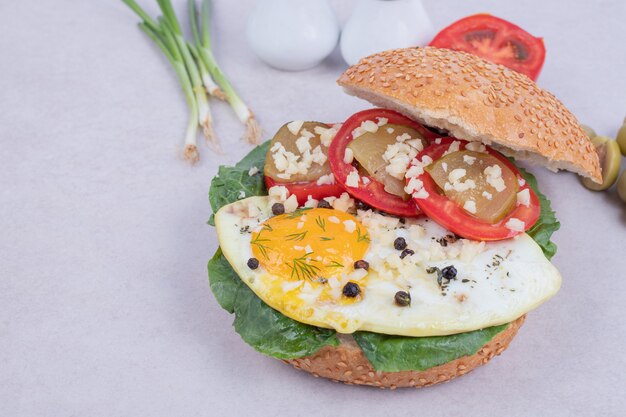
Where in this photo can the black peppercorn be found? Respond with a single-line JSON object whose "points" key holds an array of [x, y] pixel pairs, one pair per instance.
{"points": [[323, 204], [362, 264], [402, 298], [406, 253], [449, 272], [278, 208], [351, 289], [361, 205], [399, 243], [253, 263]]}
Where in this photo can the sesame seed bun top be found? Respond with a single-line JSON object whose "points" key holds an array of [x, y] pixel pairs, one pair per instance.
{"points": [[476, 100]]}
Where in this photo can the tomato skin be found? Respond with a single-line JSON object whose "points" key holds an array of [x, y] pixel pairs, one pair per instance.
{"points": [[373, 193], [455, 36], [303, 190], [451, 216]]}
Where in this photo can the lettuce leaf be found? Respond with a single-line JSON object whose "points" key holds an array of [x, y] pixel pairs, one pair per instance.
{"points": [[547, 223], [400, 353], [259, 325], [230, 181]]}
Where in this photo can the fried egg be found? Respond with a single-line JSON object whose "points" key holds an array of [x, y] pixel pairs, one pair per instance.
{"points": [[306, 258]]}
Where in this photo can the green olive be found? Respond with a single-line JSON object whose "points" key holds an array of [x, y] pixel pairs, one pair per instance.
{"points": [[610, 158], [621, 139], [621, 186], [589, 131]]}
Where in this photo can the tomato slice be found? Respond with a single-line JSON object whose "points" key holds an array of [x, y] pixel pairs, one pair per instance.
{"points": [[451, 216], [372, 193], [303, 190], [495, 40]]}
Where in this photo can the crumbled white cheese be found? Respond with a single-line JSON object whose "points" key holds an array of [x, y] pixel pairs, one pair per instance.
{"points": [[382, 121], [494, 177], [456, 174], [438, 141], [422, 194], [305, 133], [470, 206], [252, 171], [318, 156], [308, 249], [348, 156], [413, 185], [295, 126], [353, 179], [343, 203], [366, 126], [487, 195], [521, 182], [365, 180], [349, 225], [515, 225], [469, 160], [399, 155], [291, 204], [303, 144], [357, 274], [278, 194], [523, 197], [242, 194], [311, 202], [476, 147], [444, 166], [333, 219], [326, 179], [390, 130], [454, 147], [403, 137], [326, 134]]}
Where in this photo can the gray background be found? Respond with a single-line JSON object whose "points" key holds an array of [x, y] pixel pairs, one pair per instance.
{"points": [[105, 308]]}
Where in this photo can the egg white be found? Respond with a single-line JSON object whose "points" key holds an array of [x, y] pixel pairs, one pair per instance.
{"points": [[497, 282]]}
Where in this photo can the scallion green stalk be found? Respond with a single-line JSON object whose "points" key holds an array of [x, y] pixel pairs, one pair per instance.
{"points": [[203, 46], [170, 26], [190, 151]]}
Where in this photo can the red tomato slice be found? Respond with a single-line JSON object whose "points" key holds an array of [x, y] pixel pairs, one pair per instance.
{"points": [[372, 193], [451, 216], [303, 190], [495, 40]]}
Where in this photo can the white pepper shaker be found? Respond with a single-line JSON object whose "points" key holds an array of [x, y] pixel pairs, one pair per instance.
{"points": [[292, 35], [378, 25]]}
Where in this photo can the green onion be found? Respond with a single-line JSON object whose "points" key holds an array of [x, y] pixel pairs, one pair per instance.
{"points": [[169, 24], [203, 45], [190, 151]]}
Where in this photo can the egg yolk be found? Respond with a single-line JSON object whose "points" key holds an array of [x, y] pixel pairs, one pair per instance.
{"points": [[312, 244]]}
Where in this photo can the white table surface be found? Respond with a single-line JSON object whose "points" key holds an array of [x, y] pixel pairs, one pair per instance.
{"points": [[105, 307]]}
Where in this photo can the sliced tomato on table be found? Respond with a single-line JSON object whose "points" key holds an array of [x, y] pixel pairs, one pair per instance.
{"points": [[369, 190], [496, 40], [449, 214]]}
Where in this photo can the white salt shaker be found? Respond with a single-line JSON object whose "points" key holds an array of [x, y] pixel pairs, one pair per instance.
{"points": [[292, 35], [378, 25]]}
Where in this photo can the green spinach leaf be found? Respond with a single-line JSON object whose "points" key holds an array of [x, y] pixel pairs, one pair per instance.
{"points": [[400, 353], [229, 183], [259, 325], [547, 223]]}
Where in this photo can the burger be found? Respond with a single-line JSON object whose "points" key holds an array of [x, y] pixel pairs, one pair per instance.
{"points": [[405, 246]]}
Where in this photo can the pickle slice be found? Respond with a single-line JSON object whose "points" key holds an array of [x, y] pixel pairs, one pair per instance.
{"points": [[287, 139], [478, 182], [370, 150]]}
